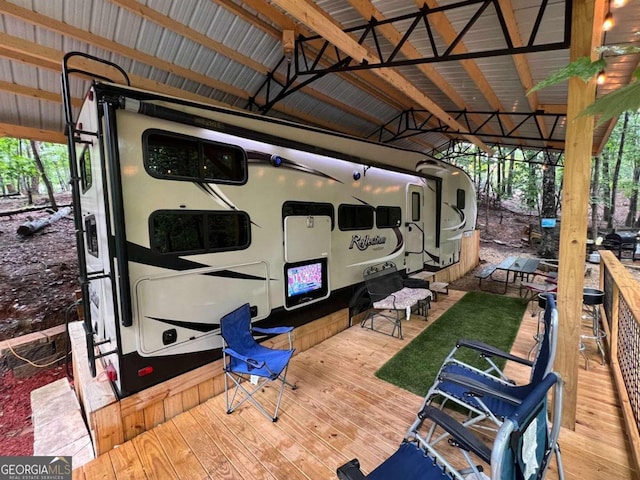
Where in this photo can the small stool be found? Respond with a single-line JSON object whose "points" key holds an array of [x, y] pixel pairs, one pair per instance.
{"points": [[542, 304], [592, 298]]}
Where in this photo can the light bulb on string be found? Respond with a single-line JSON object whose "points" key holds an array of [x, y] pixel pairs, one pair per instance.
{"points": [[601, 78], [608, 22]]}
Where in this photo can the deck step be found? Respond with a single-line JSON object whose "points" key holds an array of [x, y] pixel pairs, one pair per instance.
{"points": [[58, 426]]}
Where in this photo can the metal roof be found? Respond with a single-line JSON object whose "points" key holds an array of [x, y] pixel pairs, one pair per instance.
{"points": [[224, 51]]}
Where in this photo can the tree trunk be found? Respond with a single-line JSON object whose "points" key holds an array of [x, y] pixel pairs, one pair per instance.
{"points": [[616, 171], [548, 245], [606, 187], [595, 186], [36, 157], [633, 199], [29, 228], [510, 175]]}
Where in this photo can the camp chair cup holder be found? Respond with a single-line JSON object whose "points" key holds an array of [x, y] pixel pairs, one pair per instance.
{"points": [[249, 366]]}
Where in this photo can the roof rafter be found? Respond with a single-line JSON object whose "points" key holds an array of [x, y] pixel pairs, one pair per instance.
{"points": [[36, 93], [426, 13], [51, 59], [45, 57], [363, 80], [307, 14], [38, 134], [201, 39]]}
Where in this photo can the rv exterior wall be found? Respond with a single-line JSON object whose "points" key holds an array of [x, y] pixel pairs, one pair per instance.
{"points": [[197, 248]]}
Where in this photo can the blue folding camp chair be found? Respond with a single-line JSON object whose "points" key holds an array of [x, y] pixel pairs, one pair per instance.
{"points": [[521, 449], [248, 362]]}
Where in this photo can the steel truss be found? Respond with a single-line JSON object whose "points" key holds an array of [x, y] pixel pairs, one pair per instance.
{"points": [[308, 58], [455, 149], [415, 122], [274, 90]]}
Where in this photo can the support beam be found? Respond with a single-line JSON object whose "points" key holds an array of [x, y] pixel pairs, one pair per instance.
{"points": [[306, 13], [16, 131], [36, 93], [33, 54], [575, 200]]}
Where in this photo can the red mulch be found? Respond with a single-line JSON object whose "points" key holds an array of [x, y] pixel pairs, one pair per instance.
{"points": [[16, 430]]}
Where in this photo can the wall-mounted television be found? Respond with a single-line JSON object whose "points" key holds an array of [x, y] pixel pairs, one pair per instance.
{"points": [[306, 282]]}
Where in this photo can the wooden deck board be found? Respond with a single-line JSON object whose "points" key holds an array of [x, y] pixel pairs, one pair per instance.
{"points": [[341, 411]]}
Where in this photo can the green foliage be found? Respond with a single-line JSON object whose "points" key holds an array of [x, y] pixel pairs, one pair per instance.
{"points": [[613, 104], [582, 68], [18, 168]]}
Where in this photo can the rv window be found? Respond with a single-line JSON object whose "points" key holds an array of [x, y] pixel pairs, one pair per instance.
{"points": [[199, 232], [308, 209], [460, 199], [388, 217], [355, 217], [187, 158], [415, 207], [85, 170], [92, 235]]}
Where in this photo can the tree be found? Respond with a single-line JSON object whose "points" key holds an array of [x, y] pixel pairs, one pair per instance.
{"points": [[595, 186], [36, 157], [616, 171]]}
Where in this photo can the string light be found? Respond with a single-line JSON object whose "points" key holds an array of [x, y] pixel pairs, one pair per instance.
{"points": [[619, 3], [601, 78], [608, 22]]}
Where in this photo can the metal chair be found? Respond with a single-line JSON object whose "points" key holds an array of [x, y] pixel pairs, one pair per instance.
{"points": [[248, 362], [389, 291], [521, 449]]}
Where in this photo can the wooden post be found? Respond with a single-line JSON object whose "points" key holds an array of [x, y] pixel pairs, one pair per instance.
{"points": [[575, 200]]}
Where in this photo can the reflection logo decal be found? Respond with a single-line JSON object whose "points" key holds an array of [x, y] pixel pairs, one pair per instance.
{"points": [[362, 243]]}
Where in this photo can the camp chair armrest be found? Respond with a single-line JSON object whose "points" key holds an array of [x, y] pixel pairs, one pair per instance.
{"points": [[488, 350], [350, 471], [477, 388], [462, 436], [249, 361], [272, 330]]}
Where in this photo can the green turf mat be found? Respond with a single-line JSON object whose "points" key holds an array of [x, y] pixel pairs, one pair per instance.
{"points": [[494, 319]]}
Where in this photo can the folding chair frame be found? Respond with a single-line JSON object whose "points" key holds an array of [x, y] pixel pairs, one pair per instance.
{"points": [[509, 457], [237, 382]]}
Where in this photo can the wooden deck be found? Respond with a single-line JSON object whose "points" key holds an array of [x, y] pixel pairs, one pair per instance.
{"points": [[341, 411]]}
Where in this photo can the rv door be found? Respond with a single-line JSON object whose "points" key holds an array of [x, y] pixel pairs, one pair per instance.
{"points": [[414, 229]]}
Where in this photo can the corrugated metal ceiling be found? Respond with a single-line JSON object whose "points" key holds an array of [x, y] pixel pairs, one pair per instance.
{"points": [[181, 44]]}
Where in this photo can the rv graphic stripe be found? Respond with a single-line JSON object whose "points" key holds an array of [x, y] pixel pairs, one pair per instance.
{"points": [[260, 157], [198, 327], [146, 256], [207, 189]]}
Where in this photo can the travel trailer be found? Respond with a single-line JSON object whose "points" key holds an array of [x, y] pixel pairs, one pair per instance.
{"points": [[184, 211]]}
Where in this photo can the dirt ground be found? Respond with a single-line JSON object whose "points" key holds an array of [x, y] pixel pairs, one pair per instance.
{"points": [[38, 274]]}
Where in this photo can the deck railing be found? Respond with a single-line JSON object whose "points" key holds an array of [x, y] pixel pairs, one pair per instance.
{"points": [[622, 320]]}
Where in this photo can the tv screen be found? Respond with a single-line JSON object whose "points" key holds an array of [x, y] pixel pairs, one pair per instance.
{"points": [[306, 281]]}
